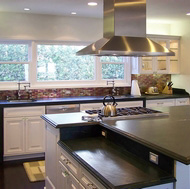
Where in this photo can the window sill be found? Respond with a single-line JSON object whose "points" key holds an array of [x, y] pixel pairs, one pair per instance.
{"points": [[53, 86]]}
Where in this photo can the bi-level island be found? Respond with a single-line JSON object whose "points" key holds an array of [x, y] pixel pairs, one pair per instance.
{"points": [[148, 152]]}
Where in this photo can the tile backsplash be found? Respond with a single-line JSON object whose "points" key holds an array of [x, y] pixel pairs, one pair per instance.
{"points": [[144, 81]]}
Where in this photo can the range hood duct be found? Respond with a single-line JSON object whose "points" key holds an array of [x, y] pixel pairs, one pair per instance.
{"points": [[125, 32]]}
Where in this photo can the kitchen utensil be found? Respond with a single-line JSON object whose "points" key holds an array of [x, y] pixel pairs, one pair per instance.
{"points": [[135, 91], [109, 109]]}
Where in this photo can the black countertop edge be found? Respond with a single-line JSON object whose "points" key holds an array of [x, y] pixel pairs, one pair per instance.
{"points": [[87, 99], [54, 124], [184, 160], [69, 100], [164, 96], [106, 183], [85, 165]]}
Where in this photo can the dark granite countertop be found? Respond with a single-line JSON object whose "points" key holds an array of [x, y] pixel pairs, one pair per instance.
{"points": [[85, 99], [168, 135], [114, 166]]}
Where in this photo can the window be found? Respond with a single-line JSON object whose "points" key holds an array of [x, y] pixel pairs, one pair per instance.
{"points": [[14, 60], [59, 63], [113, 67], [55, 64]]}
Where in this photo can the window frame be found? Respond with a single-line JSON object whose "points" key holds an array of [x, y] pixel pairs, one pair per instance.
{"points": [[32, 74], [13, 84]]}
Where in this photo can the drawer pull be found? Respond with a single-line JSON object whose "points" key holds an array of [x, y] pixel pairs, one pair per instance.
{"points": [[65, 174], [63, 158]]}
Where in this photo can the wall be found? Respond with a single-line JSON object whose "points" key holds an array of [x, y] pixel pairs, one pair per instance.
{"points": [[152, 27], [46, 27], [183, 80]]}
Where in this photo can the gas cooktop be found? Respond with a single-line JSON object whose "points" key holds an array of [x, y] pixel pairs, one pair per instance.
{"points": [[129, 113]]}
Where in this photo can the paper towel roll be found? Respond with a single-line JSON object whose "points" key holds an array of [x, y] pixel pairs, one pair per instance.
{"points": [[135, 91]]}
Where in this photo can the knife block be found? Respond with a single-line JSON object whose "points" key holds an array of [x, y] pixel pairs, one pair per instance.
{"points": [[167, 90]]}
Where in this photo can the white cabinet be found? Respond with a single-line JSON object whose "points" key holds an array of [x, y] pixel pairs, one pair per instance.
{"points": [[162, 64], [13, 136], [182, 101], [35, 134], [72, 175], [167, 102], [160, 103], [121, 104], [24, 131]]}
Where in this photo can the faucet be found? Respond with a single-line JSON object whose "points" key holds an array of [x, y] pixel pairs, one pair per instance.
{"points": [[113, 87], [25, 88]]}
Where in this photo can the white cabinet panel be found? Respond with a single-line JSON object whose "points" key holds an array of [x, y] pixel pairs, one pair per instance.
{"points": [[91, 106], [129, 104], [24, 130], [160, 103], [159, 65], [24, 111], [35, 134], [182, 101], [13, 136]]}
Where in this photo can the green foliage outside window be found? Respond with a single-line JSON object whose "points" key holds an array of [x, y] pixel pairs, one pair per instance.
{"points": [[13, 72], [13, 53], [112, 71], [59, 62]]}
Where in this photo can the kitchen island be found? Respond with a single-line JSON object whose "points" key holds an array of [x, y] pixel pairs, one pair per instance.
{"points": [[124, 148]]}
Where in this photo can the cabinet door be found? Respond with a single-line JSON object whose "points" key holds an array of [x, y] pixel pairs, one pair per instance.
{"points": [[35, 134], [162, 62], [72, 183], [92, 106], [182, 101], [129, 104], [147, 65], [63, 175], [13, 136], [160, 103], [174, 60]]}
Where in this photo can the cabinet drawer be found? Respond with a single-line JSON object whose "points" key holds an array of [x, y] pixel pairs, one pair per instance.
{"points": [[92, 106], [88, 181], [24, 111], [160, 103], [129, 104], [182, 101], [70, 163]]}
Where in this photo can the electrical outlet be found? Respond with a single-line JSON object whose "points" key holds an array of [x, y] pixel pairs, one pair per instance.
{"points": [[104, 133], [153, 158]]}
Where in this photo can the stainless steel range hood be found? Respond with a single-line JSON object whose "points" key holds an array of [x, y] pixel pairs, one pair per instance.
{"points": [[125, 32]]}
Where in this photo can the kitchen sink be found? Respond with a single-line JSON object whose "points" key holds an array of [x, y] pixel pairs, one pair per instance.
{"points": [[22, 100]]}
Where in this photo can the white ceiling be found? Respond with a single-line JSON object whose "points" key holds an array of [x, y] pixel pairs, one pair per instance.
{"points": [[168, 10]]}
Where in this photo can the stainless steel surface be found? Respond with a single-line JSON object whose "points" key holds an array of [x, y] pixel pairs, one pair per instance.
{"points": [[58, 109], [113, 87], [109, 109], [120, 14], [129, 113], [125, 32]]}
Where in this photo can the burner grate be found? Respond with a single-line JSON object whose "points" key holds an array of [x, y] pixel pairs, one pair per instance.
{"points": [[128, 111]]}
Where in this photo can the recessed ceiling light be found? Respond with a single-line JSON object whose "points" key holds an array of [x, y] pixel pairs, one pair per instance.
{"points": [[92, 3], [26, 9], [73, 13], [188, 14]]}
